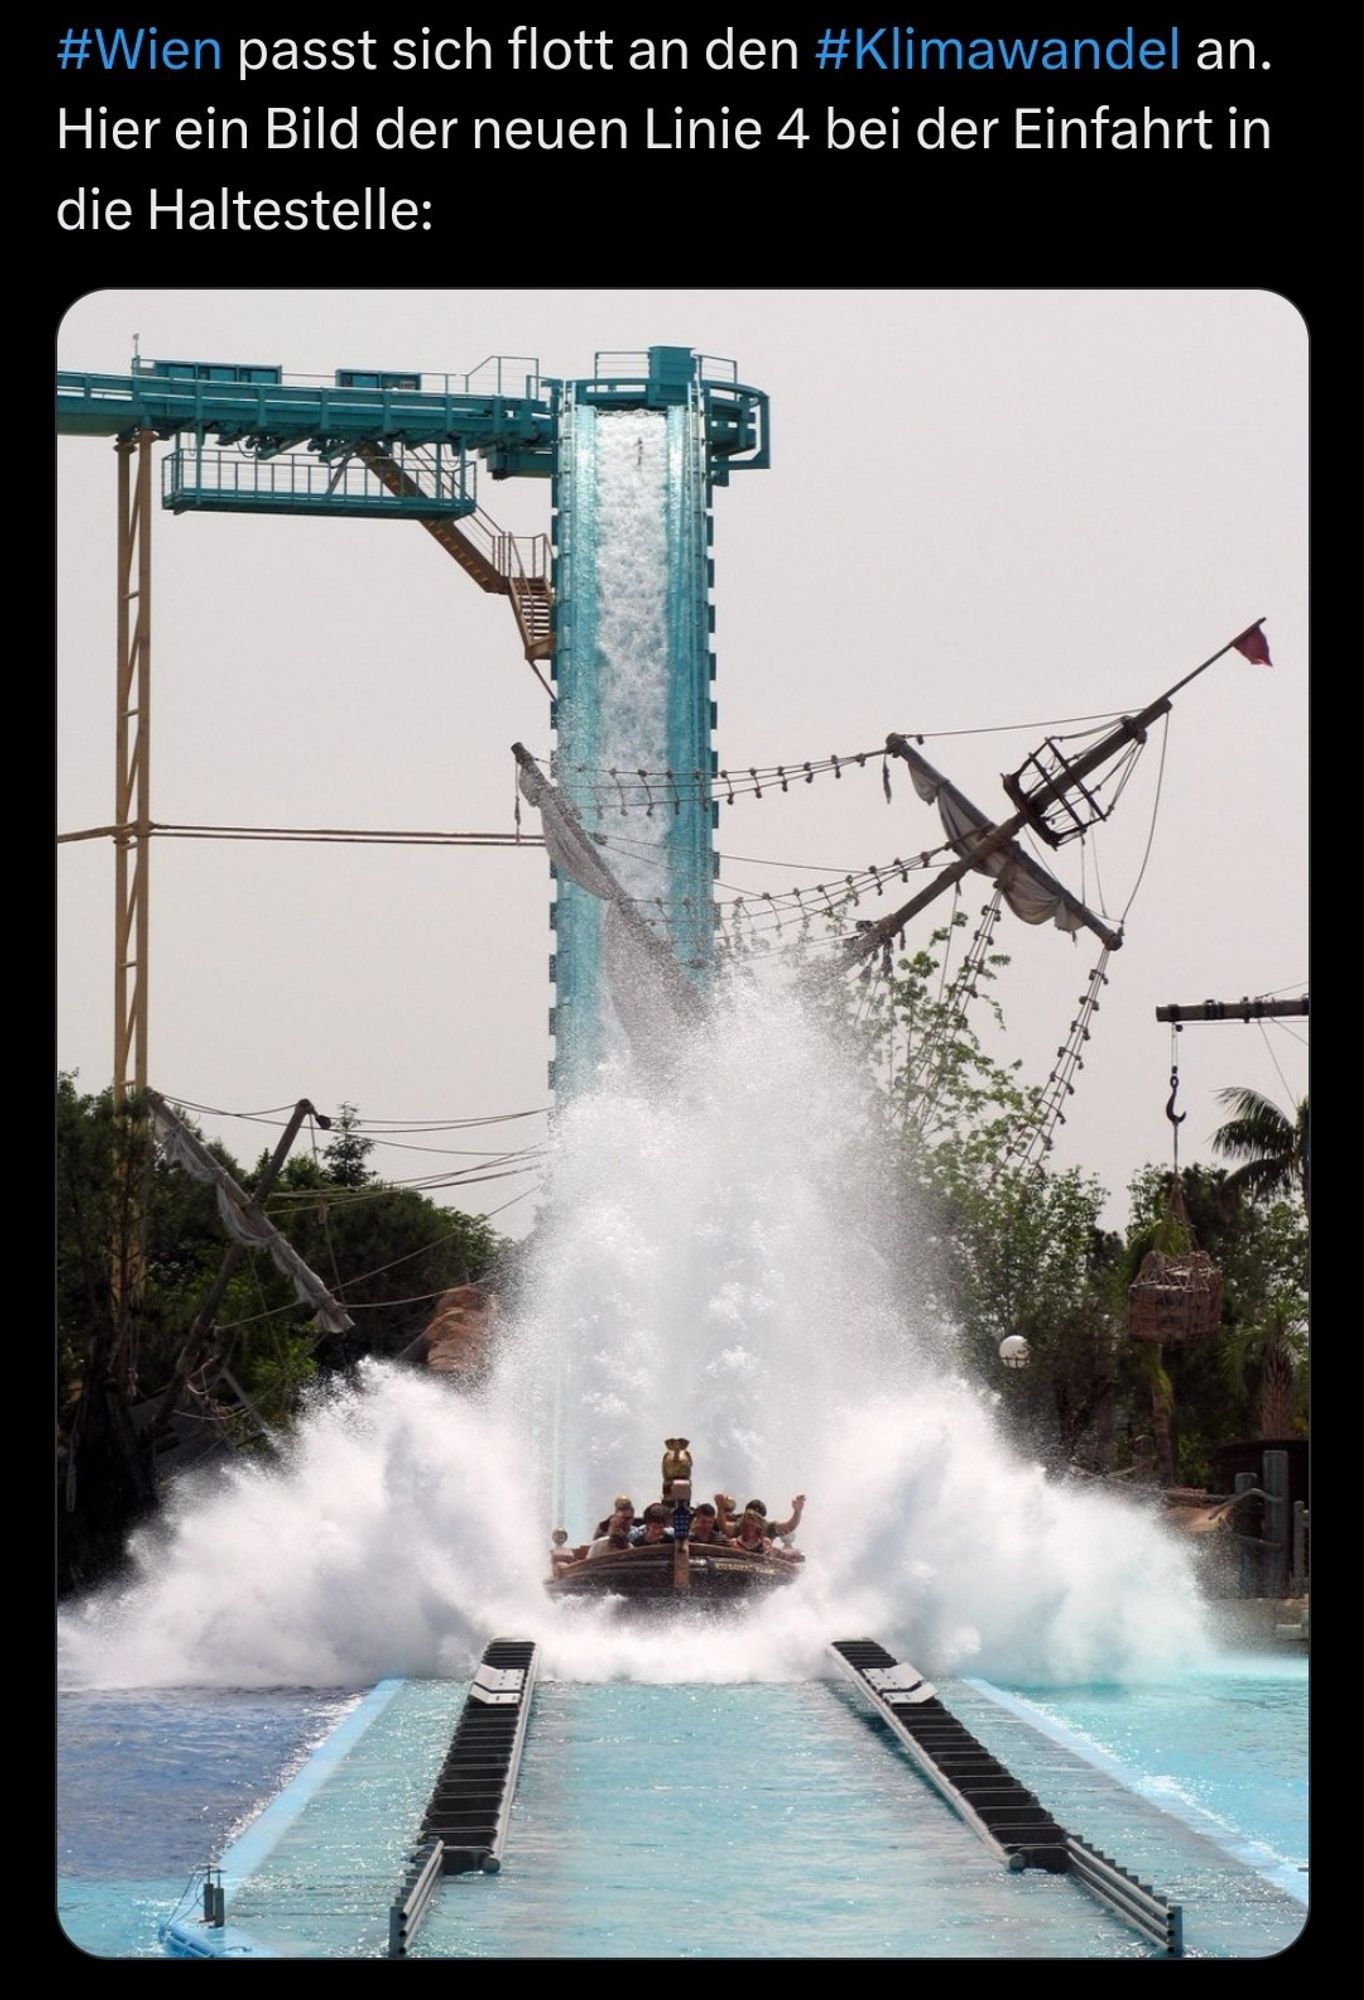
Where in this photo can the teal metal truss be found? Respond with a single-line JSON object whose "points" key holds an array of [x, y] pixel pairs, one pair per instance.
{"points": [[402, 445]]}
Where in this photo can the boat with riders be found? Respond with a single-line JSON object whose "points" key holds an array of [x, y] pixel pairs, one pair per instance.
{"points": [[678, 1553]]}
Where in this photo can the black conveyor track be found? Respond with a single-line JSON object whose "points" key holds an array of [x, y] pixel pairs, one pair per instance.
{"points": [[1007, 1817], [1010, 1820], [465, 1822], [471, 1799]]}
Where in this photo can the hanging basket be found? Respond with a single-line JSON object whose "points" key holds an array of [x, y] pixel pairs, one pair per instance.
{"points": [[1175, 1298], [1177, 1294]]}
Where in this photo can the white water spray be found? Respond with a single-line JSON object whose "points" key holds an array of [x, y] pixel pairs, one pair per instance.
{"points": [[705, 1270], [709, 1267]]}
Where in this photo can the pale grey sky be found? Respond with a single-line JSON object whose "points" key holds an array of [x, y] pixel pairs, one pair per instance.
{"points": [[983, 508]]}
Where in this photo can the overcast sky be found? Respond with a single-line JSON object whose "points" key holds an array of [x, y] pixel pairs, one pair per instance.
{"points": [[984, 508]]}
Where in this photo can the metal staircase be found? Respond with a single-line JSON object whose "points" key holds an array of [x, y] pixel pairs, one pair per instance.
{"points": [[514, 566], [533, 603]]}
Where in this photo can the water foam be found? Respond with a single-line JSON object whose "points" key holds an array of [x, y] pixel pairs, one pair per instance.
{"points": [[705, 1270], [713, 1264]]}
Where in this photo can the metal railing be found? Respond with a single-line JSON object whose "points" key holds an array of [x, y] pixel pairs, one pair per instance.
{"points": [[1159, 1921], [407, 1909], [521, 557], [289, 477], [495, 375], [500, 375]]}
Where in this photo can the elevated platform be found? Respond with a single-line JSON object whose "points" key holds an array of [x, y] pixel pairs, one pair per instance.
{"points": [[431, 486]]}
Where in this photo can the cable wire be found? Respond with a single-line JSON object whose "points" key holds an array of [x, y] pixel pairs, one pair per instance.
{"points": [[1151, 831]]}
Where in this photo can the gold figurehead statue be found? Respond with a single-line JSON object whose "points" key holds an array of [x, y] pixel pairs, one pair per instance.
{"points": [[676, 1465]]}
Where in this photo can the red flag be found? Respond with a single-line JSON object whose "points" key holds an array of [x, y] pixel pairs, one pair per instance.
{"points": [[1253, 645]]}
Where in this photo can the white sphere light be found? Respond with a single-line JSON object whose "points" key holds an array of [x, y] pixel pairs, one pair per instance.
{"points": [[1014, 1351]]}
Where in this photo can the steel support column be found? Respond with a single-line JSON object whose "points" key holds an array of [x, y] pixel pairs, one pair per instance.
{"points": [[132, 853], [132, 764]]}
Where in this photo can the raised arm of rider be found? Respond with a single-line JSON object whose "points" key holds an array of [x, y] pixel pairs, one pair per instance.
{"points": [[789, 1527]]}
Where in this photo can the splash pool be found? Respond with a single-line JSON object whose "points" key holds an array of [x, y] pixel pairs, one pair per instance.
{"points": [[695, 1820], [711, 1761]]}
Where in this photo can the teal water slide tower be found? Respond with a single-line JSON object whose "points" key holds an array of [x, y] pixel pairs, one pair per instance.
{"points": [[620, 605], [638, 452]]}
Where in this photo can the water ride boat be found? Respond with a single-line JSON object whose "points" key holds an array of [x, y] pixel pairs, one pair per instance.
{"points": [[675, 1569], [676, 1572]]}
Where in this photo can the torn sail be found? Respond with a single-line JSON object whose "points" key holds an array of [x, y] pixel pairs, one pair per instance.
{"points": [[651, 994], [1031, 893]]}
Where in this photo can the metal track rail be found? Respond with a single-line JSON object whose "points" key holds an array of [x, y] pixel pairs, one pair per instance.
{"points": [[414, 1899], [1006, 1817], [465, 1822], [1159, 1921]]}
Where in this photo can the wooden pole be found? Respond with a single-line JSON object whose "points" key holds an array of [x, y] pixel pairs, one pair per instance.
{"points": [[1234, 1010], [1275, 1465], [982, 845], [201, 1332], [1131, 729]]}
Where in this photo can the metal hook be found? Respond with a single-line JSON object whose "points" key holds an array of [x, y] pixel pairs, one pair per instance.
{"points": [[1175, 1117]]}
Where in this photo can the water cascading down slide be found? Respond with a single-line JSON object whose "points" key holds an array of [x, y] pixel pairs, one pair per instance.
{"points": [[633, 668]]}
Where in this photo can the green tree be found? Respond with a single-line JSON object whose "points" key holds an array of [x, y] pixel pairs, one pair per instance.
{"points": [[1273, 1150], [385, 1250], [1003, 1247], [1224, 1387], [1274, 1156], [108, 1362], [348, 1150], [1024, 1252], [183, 1241]]}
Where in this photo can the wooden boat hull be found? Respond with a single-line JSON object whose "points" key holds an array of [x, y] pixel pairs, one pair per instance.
{"points": [[655, 1576]]}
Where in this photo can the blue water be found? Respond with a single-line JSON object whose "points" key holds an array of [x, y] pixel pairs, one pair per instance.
{"points": [[1225, 1750], [695, 1821], [151, 1784], [763, 1821]]}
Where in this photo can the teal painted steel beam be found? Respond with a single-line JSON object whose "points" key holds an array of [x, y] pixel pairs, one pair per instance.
{"points": [[514, 433], [121, 405]]}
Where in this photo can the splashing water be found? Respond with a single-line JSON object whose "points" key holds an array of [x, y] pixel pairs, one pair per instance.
{"points": [[705, 1271], [710, 1268]]}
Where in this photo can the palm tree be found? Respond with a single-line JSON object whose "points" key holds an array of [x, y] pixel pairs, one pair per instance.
{"points": [[1273, 1152], [1268, 1339], [1275, 1158]]}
